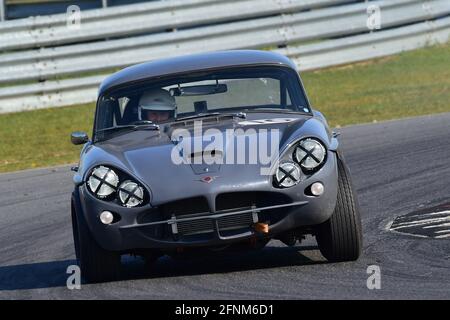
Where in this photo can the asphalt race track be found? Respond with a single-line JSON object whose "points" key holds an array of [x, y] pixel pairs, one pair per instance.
{"points": [[397, 167]]}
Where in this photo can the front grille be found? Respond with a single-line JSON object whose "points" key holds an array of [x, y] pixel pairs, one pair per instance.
{"points": [[237, 221], [185, 206], [232, 200], [233, 222], [225, 202], [195, 227], [258, 199]]}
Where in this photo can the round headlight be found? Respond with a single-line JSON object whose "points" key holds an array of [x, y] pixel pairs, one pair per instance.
{"points": [[309, 154], [103, 181], [131, 194], [287, 174]]}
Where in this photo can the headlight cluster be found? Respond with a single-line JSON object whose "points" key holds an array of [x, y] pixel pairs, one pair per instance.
{"points": [[104, 183], [288, 174], [131, 194], [308, 156]]}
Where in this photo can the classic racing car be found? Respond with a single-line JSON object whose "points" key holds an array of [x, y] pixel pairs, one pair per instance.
{"points": [[208, 152]]}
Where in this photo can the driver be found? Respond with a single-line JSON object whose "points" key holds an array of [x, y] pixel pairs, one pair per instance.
{"points": [[156, 105]]}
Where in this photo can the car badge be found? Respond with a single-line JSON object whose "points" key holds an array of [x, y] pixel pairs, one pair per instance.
{"points": [[208, 179]]}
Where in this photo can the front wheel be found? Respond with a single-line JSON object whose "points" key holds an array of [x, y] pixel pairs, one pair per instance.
{"points": [[96, 263], [340, 237]]}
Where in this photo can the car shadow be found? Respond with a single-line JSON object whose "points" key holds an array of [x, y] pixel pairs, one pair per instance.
{"points": [[53, 273], [34, 275], [267, 258]]}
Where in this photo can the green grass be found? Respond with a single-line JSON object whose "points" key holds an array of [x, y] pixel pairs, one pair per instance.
{"points": [[410, 84], [42, 137]]}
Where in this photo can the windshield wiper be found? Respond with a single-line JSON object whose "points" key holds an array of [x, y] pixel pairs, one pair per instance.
{"points": [[144, 125], [199, 115], [213, 114], [279, 110]]}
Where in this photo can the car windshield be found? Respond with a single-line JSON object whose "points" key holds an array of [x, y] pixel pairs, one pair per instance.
{"points": [[271, 89]]}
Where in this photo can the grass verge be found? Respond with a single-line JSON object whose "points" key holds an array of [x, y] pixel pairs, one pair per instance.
{"points": [[409, 84], [405, 85]]}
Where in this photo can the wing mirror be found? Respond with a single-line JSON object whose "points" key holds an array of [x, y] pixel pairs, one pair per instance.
{"points": [[79, 137]]}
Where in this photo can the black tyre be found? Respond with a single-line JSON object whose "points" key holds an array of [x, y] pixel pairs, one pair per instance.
{"points": [[340, 237], [96, 263]]}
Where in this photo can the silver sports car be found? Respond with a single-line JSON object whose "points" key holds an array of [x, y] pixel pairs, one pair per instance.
{"points": [[206, 153]]}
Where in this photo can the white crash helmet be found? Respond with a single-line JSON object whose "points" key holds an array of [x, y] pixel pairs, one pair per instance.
{"points": [[157, 100]]}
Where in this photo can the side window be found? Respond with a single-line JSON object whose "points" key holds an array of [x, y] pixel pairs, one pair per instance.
{"points": [[288, 99], [118, 110], [122, 104], [106, 116], [127, 110]]}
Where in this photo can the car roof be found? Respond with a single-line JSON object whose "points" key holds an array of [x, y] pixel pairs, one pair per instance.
{"points": [[194, 62]]}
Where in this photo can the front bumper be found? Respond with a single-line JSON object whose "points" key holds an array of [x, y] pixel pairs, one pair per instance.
{"points": [[148, 227]]}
